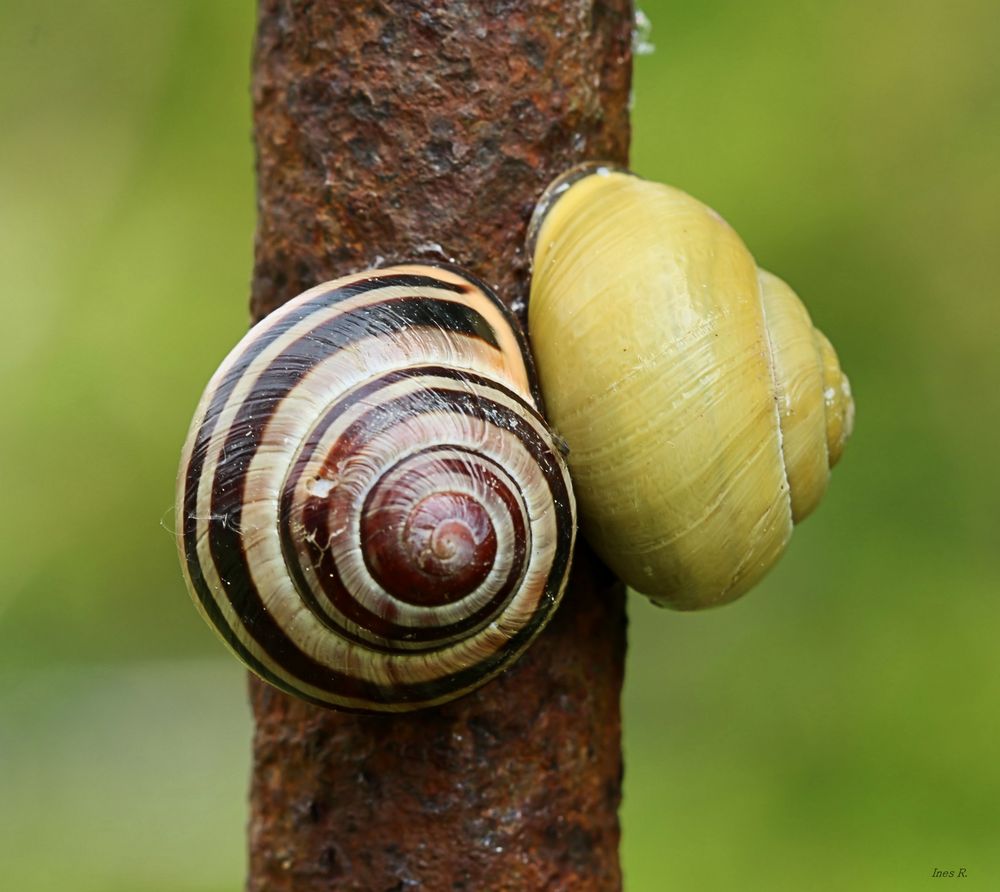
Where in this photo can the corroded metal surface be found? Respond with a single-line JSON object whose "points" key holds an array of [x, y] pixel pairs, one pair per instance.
{"points": [[402, 130], [397, 130]]}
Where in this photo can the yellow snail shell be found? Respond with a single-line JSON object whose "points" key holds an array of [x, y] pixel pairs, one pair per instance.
{"points": [[701, 408]]}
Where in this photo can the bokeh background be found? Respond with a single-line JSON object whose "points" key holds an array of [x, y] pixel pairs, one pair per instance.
{"points": [[837, 729]]}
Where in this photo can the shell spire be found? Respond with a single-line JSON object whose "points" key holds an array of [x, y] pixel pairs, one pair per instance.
{"points": [[812, 393]]}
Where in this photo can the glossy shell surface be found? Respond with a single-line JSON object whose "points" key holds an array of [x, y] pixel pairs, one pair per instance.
{"points": [[371, 512], [701, 408]]}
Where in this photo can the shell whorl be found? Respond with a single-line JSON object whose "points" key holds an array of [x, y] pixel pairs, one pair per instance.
{"points": [[701, 408], [812, 393], [371, 511]]}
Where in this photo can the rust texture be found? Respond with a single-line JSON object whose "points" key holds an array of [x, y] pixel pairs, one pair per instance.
{"points": [[426, 130]]}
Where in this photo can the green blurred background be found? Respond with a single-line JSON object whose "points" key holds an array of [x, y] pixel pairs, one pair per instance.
{"points": [[837, 729]]}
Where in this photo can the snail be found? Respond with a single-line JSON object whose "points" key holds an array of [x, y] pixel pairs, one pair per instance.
{"points": [[371, 512], [701, 408]]}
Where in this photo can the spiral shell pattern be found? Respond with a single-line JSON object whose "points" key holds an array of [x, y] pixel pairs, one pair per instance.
{"points": [[371, 511]]}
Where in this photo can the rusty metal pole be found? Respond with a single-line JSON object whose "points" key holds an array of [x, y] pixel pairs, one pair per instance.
{"points": [[397, 130]]}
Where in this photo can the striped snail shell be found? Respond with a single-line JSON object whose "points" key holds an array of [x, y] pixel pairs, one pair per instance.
{"points": [[702, 409], [371, 511]]}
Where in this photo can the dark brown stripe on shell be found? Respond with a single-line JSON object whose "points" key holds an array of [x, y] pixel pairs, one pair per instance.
{"points": [[515, 327]]}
